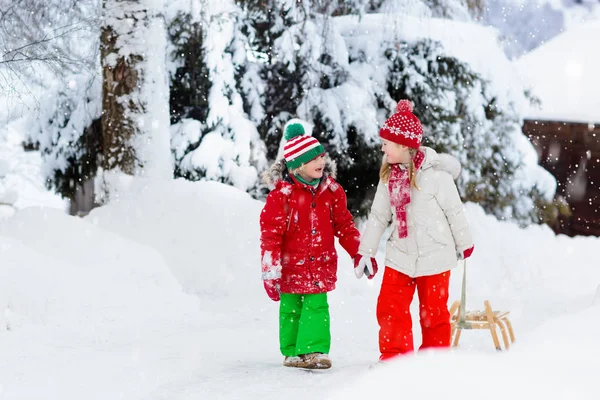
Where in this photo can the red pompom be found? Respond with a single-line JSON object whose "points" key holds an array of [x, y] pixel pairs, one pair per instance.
{"points": [[404, 106]]}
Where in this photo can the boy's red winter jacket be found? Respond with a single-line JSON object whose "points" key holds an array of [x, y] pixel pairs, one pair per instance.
{"points": [[298, 228]]}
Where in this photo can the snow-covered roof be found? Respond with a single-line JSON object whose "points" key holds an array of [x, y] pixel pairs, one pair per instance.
{"points": [[564, 74]]}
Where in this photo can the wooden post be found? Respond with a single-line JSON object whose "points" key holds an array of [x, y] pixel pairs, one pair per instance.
{"points": [[490, 318]]}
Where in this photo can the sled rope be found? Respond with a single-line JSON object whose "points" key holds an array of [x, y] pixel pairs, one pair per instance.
{"points": [[462, 323]]}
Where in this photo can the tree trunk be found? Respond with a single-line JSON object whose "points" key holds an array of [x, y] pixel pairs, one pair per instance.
{"points": [[119, 81], [135, 92]]}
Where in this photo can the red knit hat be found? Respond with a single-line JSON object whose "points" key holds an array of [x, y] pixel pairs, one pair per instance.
{"points": [[403, 127]]}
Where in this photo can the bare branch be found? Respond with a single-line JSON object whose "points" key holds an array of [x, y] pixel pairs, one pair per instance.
{"points": [[14, 4], [43, 40], [27, 58], [38, 37]]}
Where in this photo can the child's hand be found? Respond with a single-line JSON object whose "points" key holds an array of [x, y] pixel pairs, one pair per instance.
{"points": [[365, 266], [466, 254], [272, 288]]}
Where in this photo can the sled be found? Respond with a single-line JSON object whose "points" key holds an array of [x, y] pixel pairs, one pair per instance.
{"points": [[487, 318]]}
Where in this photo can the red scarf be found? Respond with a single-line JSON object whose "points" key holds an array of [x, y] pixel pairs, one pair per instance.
{"points": [[399, 187]]}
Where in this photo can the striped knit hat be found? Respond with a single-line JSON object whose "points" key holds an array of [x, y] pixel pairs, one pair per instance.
{"points": [[300, 148]]}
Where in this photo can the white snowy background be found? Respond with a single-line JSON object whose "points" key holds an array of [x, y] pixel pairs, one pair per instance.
{"points": [[158, 295]]}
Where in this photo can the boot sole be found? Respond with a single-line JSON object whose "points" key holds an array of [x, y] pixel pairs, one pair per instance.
{"points": [[310, 363], [318, 365]]}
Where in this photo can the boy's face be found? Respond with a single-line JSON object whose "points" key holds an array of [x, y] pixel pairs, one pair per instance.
{"points": [[314, 169], [395, 153]]}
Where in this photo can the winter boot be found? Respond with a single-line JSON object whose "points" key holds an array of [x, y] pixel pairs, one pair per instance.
{"points": [[315, 361], [294, 361]]}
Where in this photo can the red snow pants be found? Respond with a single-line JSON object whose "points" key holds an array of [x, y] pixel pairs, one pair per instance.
{"points": [[393, 312]]}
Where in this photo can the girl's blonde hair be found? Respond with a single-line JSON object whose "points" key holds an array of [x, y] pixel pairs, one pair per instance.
{"points": [[386, 169]]}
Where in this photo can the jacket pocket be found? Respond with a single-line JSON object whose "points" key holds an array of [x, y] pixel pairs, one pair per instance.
{"points": [[395, 241], [439, 236], [292, 260], [328, 258], [292, 221], [430, 241]]}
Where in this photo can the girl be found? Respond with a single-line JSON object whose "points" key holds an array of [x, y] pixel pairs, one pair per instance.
{"points": [[417, 196], [298, 223]]}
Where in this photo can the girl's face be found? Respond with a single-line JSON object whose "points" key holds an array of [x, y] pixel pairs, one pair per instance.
{"points": [[313, 169], [395, 153]]}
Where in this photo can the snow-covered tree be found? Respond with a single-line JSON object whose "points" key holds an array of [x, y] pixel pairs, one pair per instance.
{"points": [[213, 140], [345, 87], [342, 105], [460, 115], [337, 8], [68, 133], [51, 67], [115, 118], [190, 82], [463, 10], [303, 73], [241, 69], [280, 88], [135, 92]]}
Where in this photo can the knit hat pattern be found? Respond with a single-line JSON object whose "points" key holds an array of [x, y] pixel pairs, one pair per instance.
{"points": [[403, 127], [300, 148]]}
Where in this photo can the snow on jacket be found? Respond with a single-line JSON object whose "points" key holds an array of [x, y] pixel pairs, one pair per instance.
{"points": [[437, 225], [298, 226]]}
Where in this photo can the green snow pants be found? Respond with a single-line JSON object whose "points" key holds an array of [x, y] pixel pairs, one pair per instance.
{"points": [[304, 324]]}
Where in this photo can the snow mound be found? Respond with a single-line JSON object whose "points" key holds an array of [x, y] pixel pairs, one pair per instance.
{"points": [[207, 232]]}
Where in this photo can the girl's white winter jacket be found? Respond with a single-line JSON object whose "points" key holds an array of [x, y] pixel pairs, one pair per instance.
{"points": [[437, 226]]}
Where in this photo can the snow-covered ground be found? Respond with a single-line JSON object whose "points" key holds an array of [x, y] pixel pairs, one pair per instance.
{"points": [[159, 296]]}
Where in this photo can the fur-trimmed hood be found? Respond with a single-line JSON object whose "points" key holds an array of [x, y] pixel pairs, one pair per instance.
{"points": [[441, 162], [279, 172]]}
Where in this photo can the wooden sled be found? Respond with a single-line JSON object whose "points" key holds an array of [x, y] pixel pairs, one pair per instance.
{"points": [[486, 319]]}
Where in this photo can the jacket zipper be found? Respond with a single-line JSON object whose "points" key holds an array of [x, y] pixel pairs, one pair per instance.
{"points": [[312, 277], [289, 218]]}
